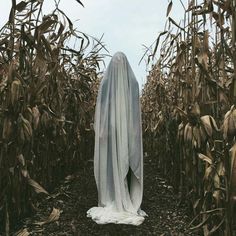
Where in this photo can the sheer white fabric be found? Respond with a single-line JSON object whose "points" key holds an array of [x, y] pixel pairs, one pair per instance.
{"points": [[118, 147]]}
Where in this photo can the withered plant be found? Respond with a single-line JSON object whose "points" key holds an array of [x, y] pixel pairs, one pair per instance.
{"points": [[46, 104], [189, 89]]}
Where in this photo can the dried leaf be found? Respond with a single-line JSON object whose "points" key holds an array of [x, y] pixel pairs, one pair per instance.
{"points": [[45, 25], [54, 216], [169, 8], [205, 158], [195, 205], [208, 172], [174, 22], [21, 159], [37, 187], [157, 43], [21, 6], [22, 232], [80, 2]]}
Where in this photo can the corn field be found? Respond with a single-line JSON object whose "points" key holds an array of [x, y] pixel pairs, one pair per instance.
{"points": [[48, 92], [46, 105], [189, 111]]}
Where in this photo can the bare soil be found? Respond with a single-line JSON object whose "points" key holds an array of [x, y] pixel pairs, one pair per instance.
{"points": [[77, 193]]}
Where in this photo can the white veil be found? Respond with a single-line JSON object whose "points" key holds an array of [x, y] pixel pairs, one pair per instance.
{"points": [[118, 147]]}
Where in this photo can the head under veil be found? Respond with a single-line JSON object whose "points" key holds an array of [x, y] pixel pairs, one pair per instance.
{"points": [[118, 146]]}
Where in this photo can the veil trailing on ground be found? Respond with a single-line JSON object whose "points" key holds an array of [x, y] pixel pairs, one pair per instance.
{"points": [[118, 154]]}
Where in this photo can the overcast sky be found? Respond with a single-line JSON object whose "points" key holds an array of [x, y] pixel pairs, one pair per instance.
{"points": [[126, 24]]}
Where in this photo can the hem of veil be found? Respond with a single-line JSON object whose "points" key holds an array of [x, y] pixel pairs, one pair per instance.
{"points": [[128, 218]]}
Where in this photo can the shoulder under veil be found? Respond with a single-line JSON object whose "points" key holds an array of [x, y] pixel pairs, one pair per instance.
{"points": [[118, 154]]}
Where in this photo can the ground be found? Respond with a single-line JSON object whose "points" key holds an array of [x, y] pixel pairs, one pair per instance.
{"points": [[77, 193]]}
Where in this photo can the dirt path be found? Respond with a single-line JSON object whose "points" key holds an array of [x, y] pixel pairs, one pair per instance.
{"points": [[78, 193]]}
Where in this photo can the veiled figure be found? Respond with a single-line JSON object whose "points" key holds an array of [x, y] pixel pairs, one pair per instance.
{"points": [[118, 154]]}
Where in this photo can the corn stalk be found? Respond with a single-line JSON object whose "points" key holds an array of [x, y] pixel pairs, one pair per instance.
{"points": [[194, 75], [46, 105]]}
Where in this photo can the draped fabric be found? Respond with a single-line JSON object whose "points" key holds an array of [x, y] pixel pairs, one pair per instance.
{"points": [[118, 154]]}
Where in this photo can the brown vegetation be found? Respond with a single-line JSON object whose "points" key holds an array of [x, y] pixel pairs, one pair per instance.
{"points": [[46, 105], [189, 89]]}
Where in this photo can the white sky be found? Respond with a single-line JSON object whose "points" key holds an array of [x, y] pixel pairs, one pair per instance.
{"points": [[126, 24]]}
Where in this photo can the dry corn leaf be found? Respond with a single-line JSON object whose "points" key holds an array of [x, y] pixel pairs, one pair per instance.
{"points": [[188, 133], [21, 6], [208, 172], [209, 124], [21, 159], [196, 137], [233, 171], [216, 195], [54, 216], [205, 158], [80, 3], [37, 187], [22, 232], [196, 203], [169, 8]]}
